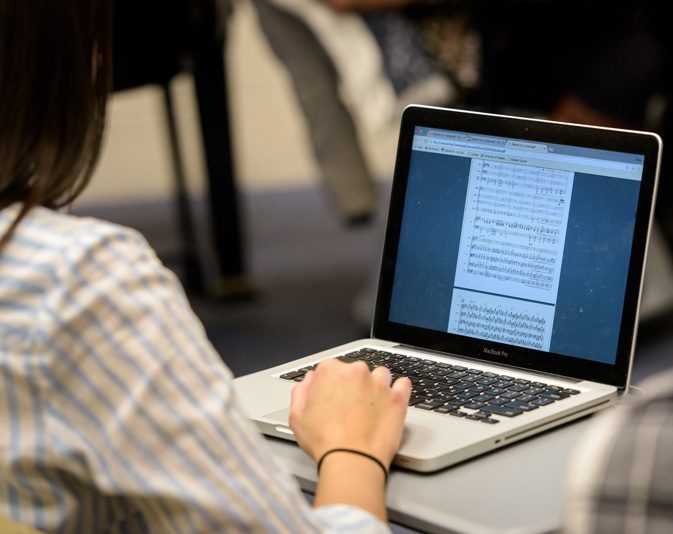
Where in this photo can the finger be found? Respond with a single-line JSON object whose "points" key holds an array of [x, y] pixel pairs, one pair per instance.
{"points": [[329, 363], [383, 375], [402, 386], [299, 394], [308, 378]]}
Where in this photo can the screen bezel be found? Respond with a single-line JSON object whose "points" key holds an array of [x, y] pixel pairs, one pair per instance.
{"points": [[645, 143]]}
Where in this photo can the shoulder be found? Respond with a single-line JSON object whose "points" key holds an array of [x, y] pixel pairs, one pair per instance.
{"points": [[56, 270], [45, 229], [55, 260], [69, 233], [55, 243]]}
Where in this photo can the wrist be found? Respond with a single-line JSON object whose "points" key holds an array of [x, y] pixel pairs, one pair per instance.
{"points": [[360, 455], [351, 479], [379, 450]]}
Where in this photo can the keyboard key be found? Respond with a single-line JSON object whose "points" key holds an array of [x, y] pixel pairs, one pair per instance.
{"points": [[471, 378], [523, 406], [501, 410], [416, 399], [556, 395], [445, 409], [526, 398], [489, 420], [487, 381], [467, 394], [291, 375], [429, 404], [506, 378]]}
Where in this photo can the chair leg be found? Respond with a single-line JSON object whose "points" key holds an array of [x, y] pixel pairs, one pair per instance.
{"points": [[225, 213], [193, 274]]}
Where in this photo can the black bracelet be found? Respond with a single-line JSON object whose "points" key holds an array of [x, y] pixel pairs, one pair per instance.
{"points": [[355, 451]]}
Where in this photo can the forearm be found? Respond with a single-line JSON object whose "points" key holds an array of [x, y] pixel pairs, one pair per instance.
{"points": [[351, 479]]}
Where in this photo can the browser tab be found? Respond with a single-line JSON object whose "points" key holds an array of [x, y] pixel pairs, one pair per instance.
{"points": [[527, 145], [486, 140], [442, 134]]}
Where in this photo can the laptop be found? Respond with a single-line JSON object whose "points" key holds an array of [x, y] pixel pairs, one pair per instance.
{"points": [[510, 281]]}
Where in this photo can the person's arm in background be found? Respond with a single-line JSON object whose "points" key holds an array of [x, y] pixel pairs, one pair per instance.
{"points": [[619, 479], [364, 6]]}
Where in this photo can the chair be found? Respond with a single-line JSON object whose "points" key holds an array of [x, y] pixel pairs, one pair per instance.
{"points": [[154, 41]]}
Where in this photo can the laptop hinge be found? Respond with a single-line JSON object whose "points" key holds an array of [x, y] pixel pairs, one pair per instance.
{"points": [[497, 364]]}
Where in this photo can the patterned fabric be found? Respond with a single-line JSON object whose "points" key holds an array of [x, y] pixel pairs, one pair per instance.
{"points": [[620, 481], [117, 414]]}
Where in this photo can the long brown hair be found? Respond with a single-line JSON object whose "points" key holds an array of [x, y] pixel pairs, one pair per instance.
{"points": [[55, 78]]}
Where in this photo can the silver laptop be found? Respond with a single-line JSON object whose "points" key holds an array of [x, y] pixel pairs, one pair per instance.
{"points": [[510, 281]]}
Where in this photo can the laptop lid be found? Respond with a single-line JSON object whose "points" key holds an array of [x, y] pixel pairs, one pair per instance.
{"points": [[518, 241]]}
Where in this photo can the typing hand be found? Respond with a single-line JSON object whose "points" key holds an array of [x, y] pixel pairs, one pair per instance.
{"points": [[345, 405]]}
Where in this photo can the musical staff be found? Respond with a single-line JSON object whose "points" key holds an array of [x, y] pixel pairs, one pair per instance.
{"points": [[501, 319], [514, 229]]}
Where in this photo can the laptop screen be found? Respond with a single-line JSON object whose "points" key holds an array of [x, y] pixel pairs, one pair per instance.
{"points": [[519, 243]]}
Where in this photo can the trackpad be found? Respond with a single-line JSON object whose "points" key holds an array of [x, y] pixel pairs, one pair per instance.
{"points": [[281, 416]]}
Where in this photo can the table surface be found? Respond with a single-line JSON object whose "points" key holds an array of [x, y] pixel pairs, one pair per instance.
{"points": [[516, 489]]}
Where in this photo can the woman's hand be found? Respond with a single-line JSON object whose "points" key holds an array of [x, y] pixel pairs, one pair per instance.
{"points": [[345, 405]]}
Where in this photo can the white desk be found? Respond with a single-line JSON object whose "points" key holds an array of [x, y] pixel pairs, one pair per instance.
{"points": [[517, 489]]}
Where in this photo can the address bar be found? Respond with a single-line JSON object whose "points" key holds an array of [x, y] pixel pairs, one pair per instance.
{"points": [[442, 142], [579, 160]]}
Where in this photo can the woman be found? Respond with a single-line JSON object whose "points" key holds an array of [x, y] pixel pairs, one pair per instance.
{"points": [[116, 412]]}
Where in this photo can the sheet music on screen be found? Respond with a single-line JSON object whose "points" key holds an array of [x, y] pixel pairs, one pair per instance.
{"points": [[508, 240], [511, 245]]}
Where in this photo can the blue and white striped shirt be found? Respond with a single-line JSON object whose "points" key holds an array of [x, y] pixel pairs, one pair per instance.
{"points": [[116, 413]]}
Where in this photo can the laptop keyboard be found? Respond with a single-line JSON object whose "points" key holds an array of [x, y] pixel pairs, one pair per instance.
{"points": [[457, 390]]}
